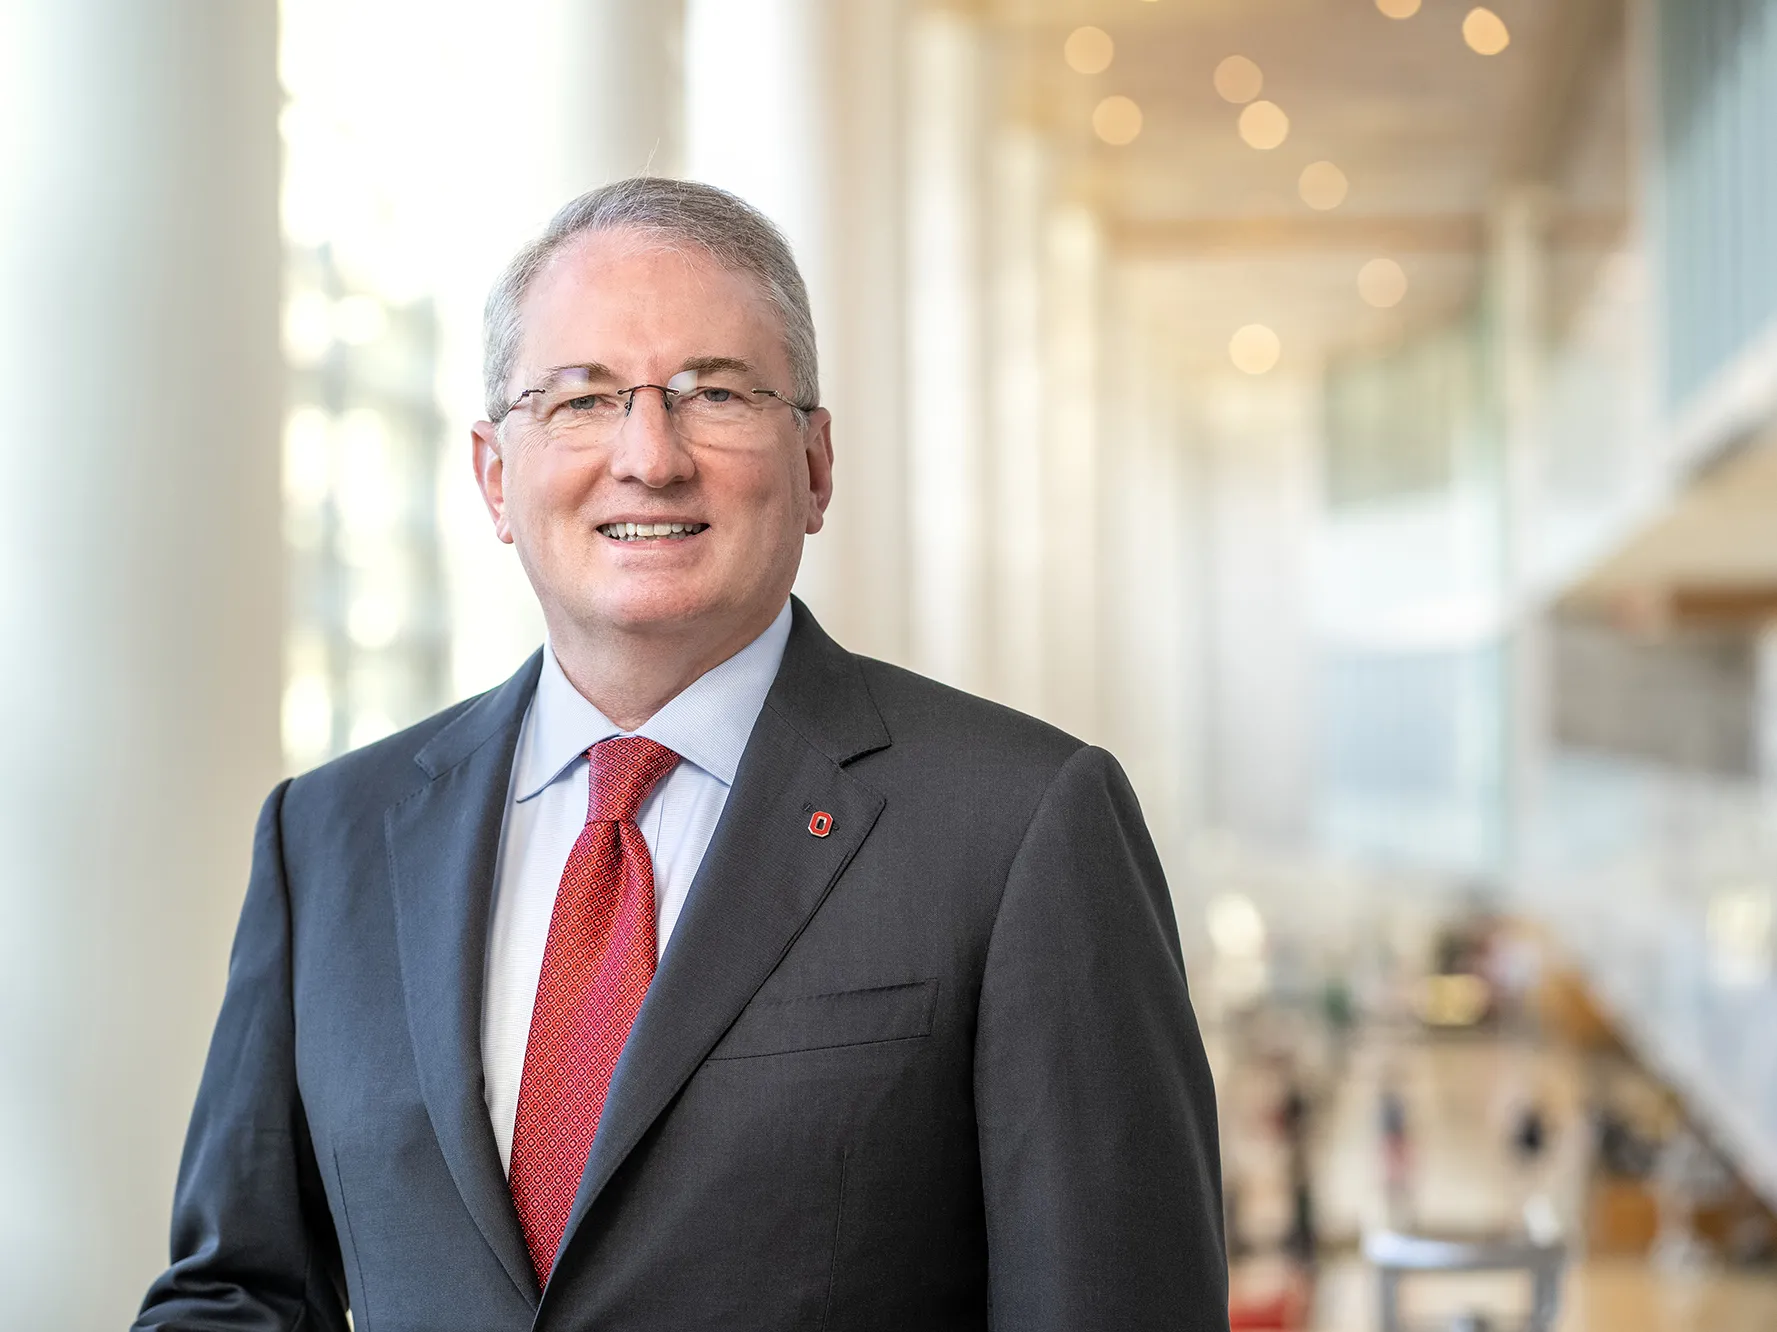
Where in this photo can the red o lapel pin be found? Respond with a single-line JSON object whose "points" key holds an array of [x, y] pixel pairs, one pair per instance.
{"points": [[821, 823]]}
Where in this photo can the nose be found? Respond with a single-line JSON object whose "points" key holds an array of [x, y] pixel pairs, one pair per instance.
{"points": [[647, 447]]}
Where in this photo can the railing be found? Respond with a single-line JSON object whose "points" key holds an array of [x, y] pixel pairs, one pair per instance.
{"points": [[1660, 885]]}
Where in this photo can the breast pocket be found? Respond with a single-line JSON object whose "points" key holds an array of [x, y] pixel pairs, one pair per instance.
{"points": [[827, 1021]]}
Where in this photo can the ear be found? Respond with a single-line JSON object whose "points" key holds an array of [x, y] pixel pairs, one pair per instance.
{"points": [[817, 445], [490, 475]]}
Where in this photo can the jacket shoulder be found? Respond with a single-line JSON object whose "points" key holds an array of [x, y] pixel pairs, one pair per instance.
{"points": [[368, 779], [924, 714]]}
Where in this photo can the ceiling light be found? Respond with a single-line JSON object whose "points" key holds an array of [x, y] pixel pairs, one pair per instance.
{"points": [[1089, 50], [1398, 9], [1263, 125], [1238, 79], [1235, 926], [1322, 186], [1485, 31], [1254, 349], [1117, 120], [1382, 283]]}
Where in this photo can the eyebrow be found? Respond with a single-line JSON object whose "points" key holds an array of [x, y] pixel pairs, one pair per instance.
{"points": [[711, 365], [708, 365], [592, 368]]}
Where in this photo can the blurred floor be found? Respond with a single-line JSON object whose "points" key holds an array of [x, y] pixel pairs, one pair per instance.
{"points": [[1604, 1295], [1460, 1095]]}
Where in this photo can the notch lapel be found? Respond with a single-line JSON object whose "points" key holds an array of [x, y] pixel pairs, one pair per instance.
{"points": [[761, 879], [443, 844]]}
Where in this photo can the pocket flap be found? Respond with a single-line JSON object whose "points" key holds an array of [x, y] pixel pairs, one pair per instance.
{"points": [[823, 1021]]}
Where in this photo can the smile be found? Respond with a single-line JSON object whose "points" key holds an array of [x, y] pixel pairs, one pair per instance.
{"points": [[650, 531]]}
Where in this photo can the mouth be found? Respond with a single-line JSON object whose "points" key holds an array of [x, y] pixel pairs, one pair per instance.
{"points": [[650, 531]]}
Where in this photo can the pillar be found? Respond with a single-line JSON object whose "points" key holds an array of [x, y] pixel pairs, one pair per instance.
{"points": [[620, 90], [797, 106], [139, 667], [948, 458], [1020, 535], [1517, 274], [1073, 336]]}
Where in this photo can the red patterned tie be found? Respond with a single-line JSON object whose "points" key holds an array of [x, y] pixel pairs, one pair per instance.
{"points": [[596, 968]]}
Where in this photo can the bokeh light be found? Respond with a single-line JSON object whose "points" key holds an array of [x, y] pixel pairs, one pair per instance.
{"points": [[1238, 79], [1116, 120], [1089, 50], [1322, 186], [1398, 9], [1264, 125], [1235, 925], [1485, 31], [1254, 349], [1382, 283]]}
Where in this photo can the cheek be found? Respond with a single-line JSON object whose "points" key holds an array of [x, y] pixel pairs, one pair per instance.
{"points": [[762, 491], [553, 485]]}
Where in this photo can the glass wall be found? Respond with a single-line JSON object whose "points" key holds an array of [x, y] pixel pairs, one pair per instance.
{"points": [[1412, 606], [1717, 183]]}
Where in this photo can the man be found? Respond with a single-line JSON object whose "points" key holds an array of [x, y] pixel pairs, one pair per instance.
{"points": [[703, 975]]}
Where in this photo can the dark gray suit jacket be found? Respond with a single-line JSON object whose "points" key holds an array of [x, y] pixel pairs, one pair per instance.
{"points": [[937, 1069]]}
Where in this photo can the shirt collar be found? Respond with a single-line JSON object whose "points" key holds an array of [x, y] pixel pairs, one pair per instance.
{"points": [[707, 723]]}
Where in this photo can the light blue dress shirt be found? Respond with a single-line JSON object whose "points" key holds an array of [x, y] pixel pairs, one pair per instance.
{"points": [[707, 726]]}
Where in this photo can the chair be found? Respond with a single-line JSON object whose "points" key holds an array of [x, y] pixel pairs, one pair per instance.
{"points": [[1396, 1256]]}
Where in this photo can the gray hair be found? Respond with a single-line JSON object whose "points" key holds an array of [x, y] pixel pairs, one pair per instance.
{"points": [[731, 231]]}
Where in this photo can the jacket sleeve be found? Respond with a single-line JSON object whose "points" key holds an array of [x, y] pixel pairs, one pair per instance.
{"points": [[1100, 1171], [253, 1245]]}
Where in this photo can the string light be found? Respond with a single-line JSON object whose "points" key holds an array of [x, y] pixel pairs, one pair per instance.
{"points": [[1485, 32], [1254, 349], [1264, 125], [1116, 120], [1322, 186], [1382, 283], [1238, 79], [1089, 50]]}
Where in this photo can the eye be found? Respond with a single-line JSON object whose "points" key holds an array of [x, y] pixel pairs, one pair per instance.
{"points": [[717, 397], [590, 402]]}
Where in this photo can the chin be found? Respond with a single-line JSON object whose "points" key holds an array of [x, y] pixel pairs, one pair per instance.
{"points": [[642, 609]]}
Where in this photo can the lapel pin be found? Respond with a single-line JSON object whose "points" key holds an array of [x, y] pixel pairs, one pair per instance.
{"points": [[821, 823]]}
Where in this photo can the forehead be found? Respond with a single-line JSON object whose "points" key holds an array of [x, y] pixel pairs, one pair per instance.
{"points": [[635, 301]]}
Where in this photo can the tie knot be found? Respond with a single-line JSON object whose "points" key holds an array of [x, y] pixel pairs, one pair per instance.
{"points": [[620, 774]]}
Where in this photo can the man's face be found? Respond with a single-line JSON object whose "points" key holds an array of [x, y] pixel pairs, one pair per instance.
{"points": [[641, 313]]}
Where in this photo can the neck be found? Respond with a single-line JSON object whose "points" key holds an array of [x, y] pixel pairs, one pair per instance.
{"points": [[631, 675]]}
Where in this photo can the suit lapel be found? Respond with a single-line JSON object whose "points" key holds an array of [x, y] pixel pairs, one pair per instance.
{"points": [[761, 879], [443, 846]]}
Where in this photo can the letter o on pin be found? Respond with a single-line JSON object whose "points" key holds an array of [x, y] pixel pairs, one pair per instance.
{"points": [[821, 823]]}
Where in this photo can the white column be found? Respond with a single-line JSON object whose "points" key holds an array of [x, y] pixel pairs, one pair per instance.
{"points": [[1518, 276], [947, 449], [1073, 333], [861, 296], [1261, 445], [1143, 558], [620, 90], [1019, 396], [797, 105], [596, 97], [139, 663]]}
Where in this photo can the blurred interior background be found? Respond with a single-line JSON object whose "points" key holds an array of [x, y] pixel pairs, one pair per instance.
{"points": [[1359, 415]]}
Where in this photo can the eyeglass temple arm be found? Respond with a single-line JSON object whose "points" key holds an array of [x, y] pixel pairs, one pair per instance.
{"points": [[788, 402]]}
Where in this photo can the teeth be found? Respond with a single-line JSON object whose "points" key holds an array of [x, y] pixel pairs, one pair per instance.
{"points": [[648, 531]]}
